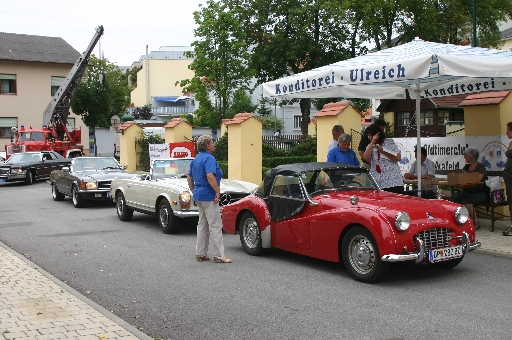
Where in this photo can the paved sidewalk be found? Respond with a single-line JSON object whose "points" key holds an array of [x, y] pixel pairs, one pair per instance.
{"points": [[35, 305], [494, 243]]}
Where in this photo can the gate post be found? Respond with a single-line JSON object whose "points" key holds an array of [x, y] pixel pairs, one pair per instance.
{"points": [[129, 133], [244, 148], [178, 130]]}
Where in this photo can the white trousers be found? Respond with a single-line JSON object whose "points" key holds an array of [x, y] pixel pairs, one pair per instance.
{"points": [[209, 229]]}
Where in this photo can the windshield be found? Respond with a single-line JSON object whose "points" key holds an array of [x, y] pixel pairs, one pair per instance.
{"points": [[169, 168], [37, 136], [94, 164], [24, 158], [337, 179]]}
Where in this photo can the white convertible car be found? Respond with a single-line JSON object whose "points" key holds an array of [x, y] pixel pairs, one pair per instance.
{"points": [[165, 193]]}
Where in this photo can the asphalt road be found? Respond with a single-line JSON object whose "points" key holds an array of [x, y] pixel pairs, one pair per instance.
{"points": [[152, 281]]}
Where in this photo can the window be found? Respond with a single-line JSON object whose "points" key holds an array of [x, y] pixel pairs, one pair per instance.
{"points": [[56, 83], [427, 118], [296, 122], [7, 83], [5, 126], [70, 124], [449, 116], [402, 118]]}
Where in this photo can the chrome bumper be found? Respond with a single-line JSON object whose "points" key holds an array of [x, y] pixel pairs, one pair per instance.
{"points": [[184, 214], [14, 176], [420, 255]]}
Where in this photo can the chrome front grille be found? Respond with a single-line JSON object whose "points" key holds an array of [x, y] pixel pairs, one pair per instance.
{"points": [[231, 197], [104, 185], [433, 238]]}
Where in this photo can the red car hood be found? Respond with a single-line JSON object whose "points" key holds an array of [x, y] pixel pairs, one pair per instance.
{"points": [[390, 204]]}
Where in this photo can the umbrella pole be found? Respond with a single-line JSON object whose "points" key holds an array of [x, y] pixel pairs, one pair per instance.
{"points": [[418, 136]]}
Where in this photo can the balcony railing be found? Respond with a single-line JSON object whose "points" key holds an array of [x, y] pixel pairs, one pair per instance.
{"points": [[167, 110]]}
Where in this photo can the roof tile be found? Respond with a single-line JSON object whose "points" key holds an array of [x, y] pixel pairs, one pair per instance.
{"points": [[485, 98], [22, 47]]}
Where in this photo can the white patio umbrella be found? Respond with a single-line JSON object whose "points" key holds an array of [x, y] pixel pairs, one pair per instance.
{"points": [[424, 69]]}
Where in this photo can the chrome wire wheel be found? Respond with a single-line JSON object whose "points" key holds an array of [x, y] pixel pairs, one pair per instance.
{"points": [[168, 222], [123, 211], [163, 215], [120, 205], [361, 254], [251, 233]]}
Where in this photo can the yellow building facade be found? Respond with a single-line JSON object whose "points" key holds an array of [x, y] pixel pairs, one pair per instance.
{"points": [[158, 77]]}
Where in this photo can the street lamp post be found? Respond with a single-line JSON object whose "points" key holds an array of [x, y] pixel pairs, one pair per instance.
{"points": [[474, 42]]}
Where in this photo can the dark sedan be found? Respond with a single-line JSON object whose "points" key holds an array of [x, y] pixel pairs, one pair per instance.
{"points": [[88, 178], [31, 166]]}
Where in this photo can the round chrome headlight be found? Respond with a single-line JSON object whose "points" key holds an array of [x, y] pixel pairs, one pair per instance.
{"points": [[461, 214], [402, 221], [185, 197]]}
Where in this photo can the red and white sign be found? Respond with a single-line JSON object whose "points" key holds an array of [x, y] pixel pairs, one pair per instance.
{"points": [[182, 149]]}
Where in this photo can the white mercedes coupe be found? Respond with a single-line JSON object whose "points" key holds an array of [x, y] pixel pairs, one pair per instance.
{"points": [[164, 192]]}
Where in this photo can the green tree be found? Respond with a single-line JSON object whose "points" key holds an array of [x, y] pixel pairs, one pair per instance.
{"points": [[98, 100], [241, 103], [143, 112], [292, 36], [220, 63]]}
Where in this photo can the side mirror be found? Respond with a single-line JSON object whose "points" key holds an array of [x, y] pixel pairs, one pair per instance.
{"points": [[124, 167]]}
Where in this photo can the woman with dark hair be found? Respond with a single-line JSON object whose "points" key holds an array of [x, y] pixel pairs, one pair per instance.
{"points": [[479, 194], [383, 155]]}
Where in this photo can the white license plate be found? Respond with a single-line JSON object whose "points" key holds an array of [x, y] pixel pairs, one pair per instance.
{"points": [[98, 195], [445, 254]]}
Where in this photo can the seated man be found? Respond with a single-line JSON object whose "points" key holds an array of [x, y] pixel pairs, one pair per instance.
{"points": [[428, 172]]}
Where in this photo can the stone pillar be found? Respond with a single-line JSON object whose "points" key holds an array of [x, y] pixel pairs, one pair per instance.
{"points": [[244, 148], [178, 130], [340, 113], [129, 131]]}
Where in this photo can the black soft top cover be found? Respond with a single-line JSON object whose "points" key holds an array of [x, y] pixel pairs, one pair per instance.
{"points": [[296, 169]]}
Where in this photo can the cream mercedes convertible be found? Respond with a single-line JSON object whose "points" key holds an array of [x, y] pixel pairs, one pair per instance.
{"points": [[164, 192]]}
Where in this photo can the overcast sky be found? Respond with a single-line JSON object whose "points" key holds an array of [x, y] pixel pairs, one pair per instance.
{"points": [[129, 25]]}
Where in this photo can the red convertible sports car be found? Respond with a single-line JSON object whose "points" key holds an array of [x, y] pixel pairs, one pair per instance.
{"points": [[335, 212]]}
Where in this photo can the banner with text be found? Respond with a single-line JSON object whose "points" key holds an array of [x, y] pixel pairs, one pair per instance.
{"points": [[448, 152]]}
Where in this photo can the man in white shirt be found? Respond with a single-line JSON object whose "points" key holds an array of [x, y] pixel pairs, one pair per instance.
{"points": [[337, 130], [428, 172]]}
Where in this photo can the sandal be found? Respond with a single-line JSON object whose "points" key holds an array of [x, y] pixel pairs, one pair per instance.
{"points": [[222, 259], [507, 232], [477, 225], [202, 258]]}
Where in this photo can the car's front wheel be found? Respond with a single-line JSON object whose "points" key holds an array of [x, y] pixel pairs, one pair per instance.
{"points": [[250, 234], [168, 222], [361, 255], [448, 264], [78, 200], [124, 213], [29, 177], [56, 194]]}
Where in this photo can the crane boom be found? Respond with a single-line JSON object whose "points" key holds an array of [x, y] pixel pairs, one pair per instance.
{"points": [[56, 113]]}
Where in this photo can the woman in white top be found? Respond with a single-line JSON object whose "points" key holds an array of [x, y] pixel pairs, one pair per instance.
{"points": [[383, 155]]}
